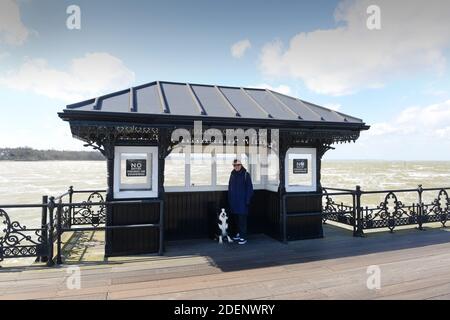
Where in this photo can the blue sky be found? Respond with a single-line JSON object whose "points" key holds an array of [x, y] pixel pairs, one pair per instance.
{"points": [[396, 78]]}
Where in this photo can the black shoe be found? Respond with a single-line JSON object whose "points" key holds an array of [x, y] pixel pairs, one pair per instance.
{"points": [[236, 237]]}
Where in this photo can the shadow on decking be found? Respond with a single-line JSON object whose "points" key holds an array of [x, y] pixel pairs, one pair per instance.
{"points": [[263, 251]]}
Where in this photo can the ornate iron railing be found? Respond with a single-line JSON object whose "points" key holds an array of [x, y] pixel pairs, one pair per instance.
{"points": [[57, 217], [391, 213], [338, 212], [87, 214], [437, 210], [18, 241], [83, 213]]}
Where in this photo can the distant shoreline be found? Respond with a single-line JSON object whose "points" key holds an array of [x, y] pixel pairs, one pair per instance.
{"points": [[53, 160], [29, 154]]}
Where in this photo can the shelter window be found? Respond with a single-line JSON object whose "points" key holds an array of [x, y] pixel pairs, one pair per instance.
{"points": [[175, 168], [186, 171], [271, 171], [255, 168], [201, 169], [224, 166]]}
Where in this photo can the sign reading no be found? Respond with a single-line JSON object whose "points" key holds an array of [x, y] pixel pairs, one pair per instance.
{"points": [[136, 168]]}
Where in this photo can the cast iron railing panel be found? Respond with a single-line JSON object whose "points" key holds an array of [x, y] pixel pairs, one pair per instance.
{"points": [[336, 212], [86, 214], [390, 213], [17, 241], [438, 210]]}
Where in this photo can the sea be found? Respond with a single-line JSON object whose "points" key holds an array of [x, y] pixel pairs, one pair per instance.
{"points": [[26, 182]]}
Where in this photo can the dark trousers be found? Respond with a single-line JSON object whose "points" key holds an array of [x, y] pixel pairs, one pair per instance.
{"points": [[240, 224]]}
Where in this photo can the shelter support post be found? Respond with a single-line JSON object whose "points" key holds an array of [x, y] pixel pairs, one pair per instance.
{"points": [[109, 154]]}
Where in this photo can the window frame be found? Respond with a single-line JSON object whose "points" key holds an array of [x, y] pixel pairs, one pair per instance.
{"points": [[132, 194], [262, 185], [299, 188]]}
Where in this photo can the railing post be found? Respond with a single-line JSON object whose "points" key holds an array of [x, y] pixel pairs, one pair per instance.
{"points": [[44, 227], [284, 217], [69, 223], [359, 225], [50, 230], [59, 231], [161, 228], [355, 220], [420, 207], [322, 208]]}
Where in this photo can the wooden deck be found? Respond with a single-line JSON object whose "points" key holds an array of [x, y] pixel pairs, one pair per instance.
{"points": [[414, 265]]}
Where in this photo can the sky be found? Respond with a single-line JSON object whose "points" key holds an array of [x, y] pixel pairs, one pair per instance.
{"points": [[383, 61]]}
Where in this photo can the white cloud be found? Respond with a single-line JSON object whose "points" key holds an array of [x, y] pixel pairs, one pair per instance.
{"points": [[239, 48], [284, 89], [89, 76], [416, 133], [432, 121], [12, 30], [52, 134], [350, 57]]}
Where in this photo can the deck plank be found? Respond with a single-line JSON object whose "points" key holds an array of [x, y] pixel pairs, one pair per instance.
{"points": [[413, 264]]}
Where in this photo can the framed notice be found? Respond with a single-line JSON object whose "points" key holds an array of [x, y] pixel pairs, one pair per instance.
{"points": [[300, 166], [135, 172], [300, 170], [136, 167]]}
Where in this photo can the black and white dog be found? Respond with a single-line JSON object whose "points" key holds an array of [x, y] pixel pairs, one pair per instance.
{"points": [[223, 226]]}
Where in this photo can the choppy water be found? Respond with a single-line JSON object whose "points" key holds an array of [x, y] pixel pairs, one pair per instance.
{"points": [[384, 175], [26, 182]]}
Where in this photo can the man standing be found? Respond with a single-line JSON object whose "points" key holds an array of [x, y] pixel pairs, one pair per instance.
{"points": [[240, 192]]}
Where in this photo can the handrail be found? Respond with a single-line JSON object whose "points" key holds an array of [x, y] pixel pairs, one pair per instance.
{"points": [[385, 190], [89, 191], [54, 224], [338, 189], [18, 206], [62, 195], [78, 204], [388, 190]]}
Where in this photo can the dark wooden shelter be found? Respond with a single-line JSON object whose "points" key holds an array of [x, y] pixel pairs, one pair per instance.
{"points": [[135, 129]]}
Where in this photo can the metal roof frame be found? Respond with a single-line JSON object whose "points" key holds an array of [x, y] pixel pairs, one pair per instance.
{"points": [[94, 110]]}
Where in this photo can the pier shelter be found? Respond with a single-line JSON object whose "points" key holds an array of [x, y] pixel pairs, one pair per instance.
{"points": [[171, 145]]}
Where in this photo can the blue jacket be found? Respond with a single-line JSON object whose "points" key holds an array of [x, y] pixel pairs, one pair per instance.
{"points": [[240, 191]]}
